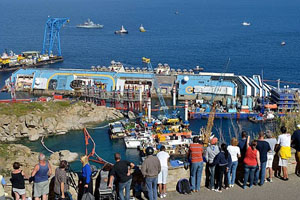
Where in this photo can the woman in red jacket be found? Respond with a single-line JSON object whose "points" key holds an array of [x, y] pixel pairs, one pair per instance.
{"points": [[251, 161]]}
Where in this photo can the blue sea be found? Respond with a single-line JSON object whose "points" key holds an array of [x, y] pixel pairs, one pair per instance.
{"points": [[204, 32]]}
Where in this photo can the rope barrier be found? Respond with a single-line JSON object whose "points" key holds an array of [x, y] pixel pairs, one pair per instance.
{"points": [[42, 141]]}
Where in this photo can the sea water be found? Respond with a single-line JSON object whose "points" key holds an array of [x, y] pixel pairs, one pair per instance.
{"points": [[183, 34]]}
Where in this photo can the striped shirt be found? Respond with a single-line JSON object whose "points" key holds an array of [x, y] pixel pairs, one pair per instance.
{"points": [[195, 152]]}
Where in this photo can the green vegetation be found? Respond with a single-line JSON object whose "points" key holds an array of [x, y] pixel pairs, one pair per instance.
{"points": [[20, 109], [290, 121], [4, 153]]}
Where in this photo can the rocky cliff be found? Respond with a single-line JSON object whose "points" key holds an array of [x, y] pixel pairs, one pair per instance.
{"points": [[50, 118]]}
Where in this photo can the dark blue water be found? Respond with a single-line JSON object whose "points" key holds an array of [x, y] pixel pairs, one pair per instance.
{"points": [[205, 33]]}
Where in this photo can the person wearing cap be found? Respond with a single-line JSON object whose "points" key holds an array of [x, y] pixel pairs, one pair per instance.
{"points": [[61, 186], [296, 143], [17, 181], [195, 155], [151, 167], [211, 151], [272, 142], [235, 154]]}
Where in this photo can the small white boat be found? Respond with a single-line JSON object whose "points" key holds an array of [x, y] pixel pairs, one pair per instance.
{"points": [[89, 24], [246, 23], [117, 130], [133, 142], [121, 31], [142, 29], [282, 43]]}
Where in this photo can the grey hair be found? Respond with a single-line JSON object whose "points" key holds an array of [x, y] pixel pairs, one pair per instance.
{"points": [[42, 157]]}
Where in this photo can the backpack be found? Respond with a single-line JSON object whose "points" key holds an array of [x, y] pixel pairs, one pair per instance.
{"points": [[183, 186]]}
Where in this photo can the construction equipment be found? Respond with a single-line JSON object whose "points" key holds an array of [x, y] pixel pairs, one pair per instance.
{"points": [[211, 118], [163, 105], [52, 36]]}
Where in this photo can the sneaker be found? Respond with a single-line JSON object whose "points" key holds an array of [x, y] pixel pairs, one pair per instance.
{"points": [[231, 185], [161, 196], [165, 195], [226, 188], [244, 187], [266, 180], [218, 191], [271, 181]]}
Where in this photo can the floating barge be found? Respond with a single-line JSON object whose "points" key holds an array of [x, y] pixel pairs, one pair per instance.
{"points": [[28, 59]]}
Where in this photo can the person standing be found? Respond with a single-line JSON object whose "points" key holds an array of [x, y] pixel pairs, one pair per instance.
{"points": [[150, 169], [242, 144], [121, 171], [235, 153], [272, 142], [61, 186], [251, 161], [163, 157], [211, 151], [41, 172], [296, 143], [2, 184], [17, 181], [195, 154], [86, 182], [223, 160], [263, 147], [284, 143]]}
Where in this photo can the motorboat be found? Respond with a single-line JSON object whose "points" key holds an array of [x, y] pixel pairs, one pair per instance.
{"points": [[121, 31], [142, 29], [138, 139], [89, 24], [246, 23], [282, 43], [116, 130]]}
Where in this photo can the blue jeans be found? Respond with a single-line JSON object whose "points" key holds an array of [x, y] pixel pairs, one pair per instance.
{"points": [[211, 169], [151, 184], [232, 172], [249, 170], [125, 185], [261, 172], [196, 175]]}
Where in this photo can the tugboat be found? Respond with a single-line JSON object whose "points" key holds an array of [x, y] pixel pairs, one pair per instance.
{"points": [[142, 29], [246, 24], [89, 24], [122, 31]]}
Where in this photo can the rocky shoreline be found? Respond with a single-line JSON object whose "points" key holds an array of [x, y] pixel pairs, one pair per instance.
{"points": [[10, 153], [49, 120]]}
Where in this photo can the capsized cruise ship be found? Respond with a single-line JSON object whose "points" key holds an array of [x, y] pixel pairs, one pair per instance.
{"points": [[190, 84]]}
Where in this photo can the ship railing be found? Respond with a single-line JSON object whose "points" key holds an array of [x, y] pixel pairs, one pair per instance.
{"points": [[127, 95]]}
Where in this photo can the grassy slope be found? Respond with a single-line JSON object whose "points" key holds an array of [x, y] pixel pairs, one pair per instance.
{"points": [[20, 109]]}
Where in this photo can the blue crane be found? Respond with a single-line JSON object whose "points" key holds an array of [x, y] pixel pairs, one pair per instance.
{"points": [[163, 105], [52, 37]]}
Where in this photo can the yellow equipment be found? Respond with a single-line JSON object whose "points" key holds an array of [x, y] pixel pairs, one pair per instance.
{"points": [[146, 60]]}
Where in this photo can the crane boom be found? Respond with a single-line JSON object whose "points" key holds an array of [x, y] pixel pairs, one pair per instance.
{"points": [[156, 86], [211, 118]]}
